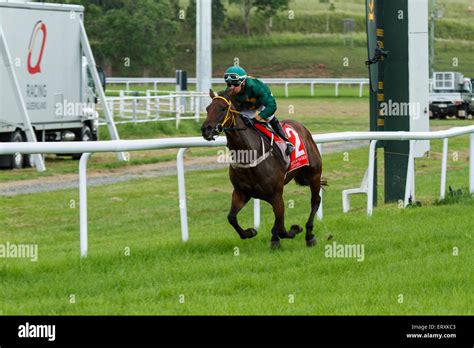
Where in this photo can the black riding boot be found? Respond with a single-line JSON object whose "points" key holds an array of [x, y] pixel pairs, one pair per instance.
{"points": [[279, 131]]}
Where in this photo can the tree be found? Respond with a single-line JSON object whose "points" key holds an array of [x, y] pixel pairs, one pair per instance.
{"points": [[246, 6], [267, 8], [131, 37]]}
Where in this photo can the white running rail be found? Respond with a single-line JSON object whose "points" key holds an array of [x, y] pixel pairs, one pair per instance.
{"points": [[311, 81], [87, 148]]}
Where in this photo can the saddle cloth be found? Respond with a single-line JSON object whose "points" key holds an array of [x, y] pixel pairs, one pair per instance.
{"points": [[298, 157]]}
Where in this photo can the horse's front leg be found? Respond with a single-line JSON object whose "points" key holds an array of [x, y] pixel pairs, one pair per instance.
{"points": [[279, 230], [239, 200]]}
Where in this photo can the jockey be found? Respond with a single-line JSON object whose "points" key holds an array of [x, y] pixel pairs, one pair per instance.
{"points": [[252, 97]]}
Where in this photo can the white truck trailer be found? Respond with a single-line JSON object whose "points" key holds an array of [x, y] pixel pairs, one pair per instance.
{"points": [[49, 83]]}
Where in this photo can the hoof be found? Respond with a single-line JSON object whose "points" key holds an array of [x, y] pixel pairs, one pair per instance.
{"points": [[294, 230], [311, 242], [250, 233], [274, 245]]}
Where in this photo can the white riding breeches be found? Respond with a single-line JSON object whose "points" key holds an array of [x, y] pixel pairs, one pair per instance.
{"points": [[251, 114]]}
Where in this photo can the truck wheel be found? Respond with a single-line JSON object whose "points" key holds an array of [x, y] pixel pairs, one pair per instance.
{"points": [[86, 135], [17, 159], [27, 159]]}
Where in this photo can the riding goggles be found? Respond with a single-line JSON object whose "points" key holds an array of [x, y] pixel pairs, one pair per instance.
{"points": [[234, 77]]}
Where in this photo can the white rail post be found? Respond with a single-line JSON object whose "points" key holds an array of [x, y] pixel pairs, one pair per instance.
{"points": [[256, 213], [319, 213], [444, 164], [83, 202], [337, 89], [370, 178], [312, 89], [182, 194], [157, 107], [134, 109], [410, 183], [471, 163], [148, 96], [122, 103], [197, 108], [178, 112], [286, 89], [361, 85]]}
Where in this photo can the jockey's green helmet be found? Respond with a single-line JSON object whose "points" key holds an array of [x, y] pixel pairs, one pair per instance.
{"points": [[234, 74]]}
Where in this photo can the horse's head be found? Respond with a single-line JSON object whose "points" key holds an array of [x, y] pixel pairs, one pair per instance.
{"points": [[219, 116]]}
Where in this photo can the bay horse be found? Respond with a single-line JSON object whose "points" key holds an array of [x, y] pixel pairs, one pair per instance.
{"points": [[267, 179]]}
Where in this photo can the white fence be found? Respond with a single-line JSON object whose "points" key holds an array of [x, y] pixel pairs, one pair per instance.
{"points": [[87, 148], [150, 106], [336, 82]]}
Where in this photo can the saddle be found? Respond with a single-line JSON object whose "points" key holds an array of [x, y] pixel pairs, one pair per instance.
{"points": [[298, 158]]}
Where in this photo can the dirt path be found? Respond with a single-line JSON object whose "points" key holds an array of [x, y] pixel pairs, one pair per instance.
{"points": [[96, 178]]}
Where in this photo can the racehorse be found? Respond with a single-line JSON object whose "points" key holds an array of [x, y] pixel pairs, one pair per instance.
{"points": [[267, 179]]}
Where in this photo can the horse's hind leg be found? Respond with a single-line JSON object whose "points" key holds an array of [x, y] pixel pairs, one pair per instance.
{"points": [[315, 186], [278, 230], [239, 200]]}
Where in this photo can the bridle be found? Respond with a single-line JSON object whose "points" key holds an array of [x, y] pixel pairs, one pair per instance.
{"points": [[229, 116]]}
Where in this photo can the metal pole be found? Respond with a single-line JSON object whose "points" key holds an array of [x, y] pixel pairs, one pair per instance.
{"points": [[444, 164], [203, 48], [83, 202], [370, 178], [432, 37], [182, 194], [86, 49], [256, 213], [319, 213]]}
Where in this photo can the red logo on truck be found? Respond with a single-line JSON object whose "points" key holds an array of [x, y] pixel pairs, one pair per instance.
{"points": [[39, 26]]}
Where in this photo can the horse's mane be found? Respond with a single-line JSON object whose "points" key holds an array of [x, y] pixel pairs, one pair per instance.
{"points": [[225, 93]]}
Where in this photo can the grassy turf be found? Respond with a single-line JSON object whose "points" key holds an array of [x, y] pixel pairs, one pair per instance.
{"points": [[408, 252]]}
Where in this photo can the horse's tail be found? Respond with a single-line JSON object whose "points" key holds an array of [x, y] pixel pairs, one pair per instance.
{"points": [[324, 184]]}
